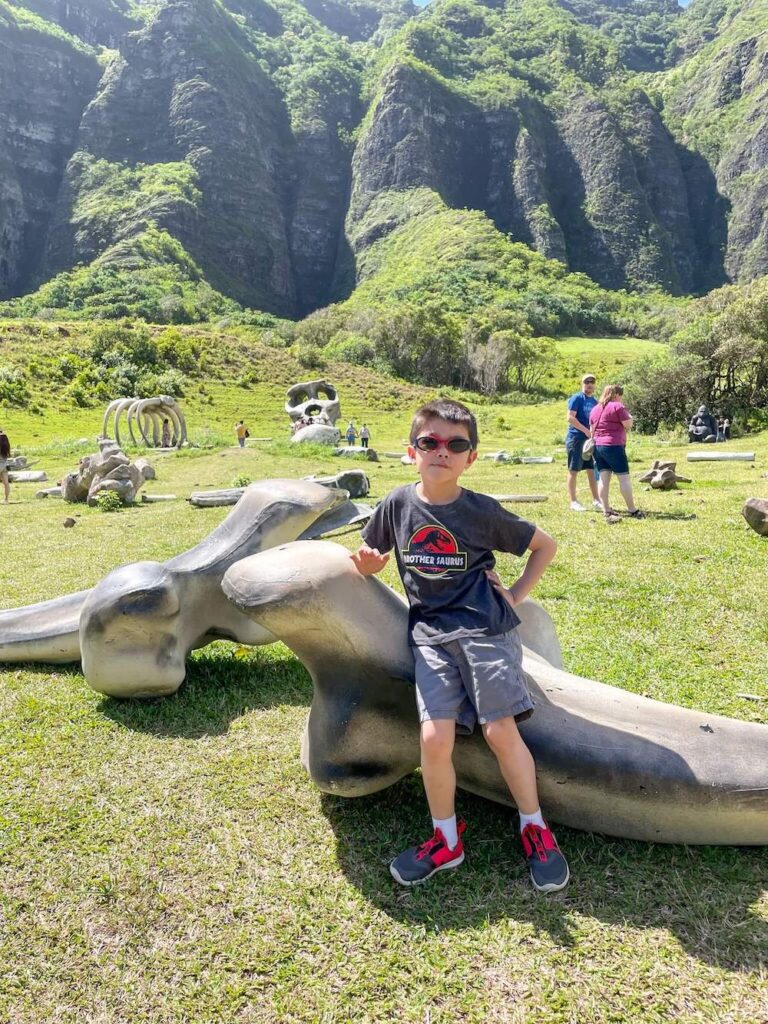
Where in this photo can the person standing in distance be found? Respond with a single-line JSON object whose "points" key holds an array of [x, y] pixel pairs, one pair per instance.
{"points": [[580, 406], [5, 454]]}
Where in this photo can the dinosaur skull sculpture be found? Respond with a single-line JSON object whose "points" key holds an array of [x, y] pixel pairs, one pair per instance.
{"points": [[314, 408]]}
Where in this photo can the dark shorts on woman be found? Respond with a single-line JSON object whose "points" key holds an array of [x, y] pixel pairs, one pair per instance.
{"points": [[576, 461], [611, 458]]}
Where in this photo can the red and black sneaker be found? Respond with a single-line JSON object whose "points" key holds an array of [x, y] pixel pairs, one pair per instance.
{"points": [[421, 862], [548, 867]]}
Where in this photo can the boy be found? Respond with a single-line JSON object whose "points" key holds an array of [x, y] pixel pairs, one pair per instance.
{"points": [[462, 630]]}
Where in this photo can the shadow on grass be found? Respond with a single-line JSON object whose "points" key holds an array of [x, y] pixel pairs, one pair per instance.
{"points": [[702, 895], [680, 516], [218, 689]]}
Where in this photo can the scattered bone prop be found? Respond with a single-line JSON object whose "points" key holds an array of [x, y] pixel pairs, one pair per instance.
{"points": [[144, 417], [109, 469], [133, 630], [35, 476], [353, 481], [314, 408], [607, 760], [662, 476], [711, 456]]}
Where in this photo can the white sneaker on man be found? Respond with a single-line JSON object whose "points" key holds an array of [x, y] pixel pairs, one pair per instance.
{"points": [[576, 506], [596, 504]]}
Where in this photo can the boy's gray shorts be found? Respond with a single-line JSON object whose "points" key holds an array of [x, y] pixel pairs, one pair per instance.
{"points": [[473, 679]]}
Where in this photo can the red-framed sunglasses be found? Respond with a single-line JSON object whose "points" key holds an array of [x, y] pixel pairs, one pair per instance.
{"points": [[430, 443]]}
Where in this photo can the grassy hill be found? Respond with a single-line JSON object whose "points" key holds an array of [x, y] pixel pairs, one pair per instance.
{"points": [[240, 373]]}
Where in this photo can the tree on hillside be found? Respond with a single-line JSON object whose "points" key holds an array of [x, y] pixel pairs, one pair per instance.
{"points": [[720, 358]]}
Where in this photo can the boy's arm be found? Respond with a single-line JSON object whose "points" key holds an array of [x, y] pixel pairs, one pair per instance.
{"points": [[542, 548]]}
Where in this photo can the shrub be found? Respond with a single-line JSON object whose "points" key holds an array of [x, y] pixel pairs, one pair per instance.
{"points": [[241, 480], [124, 342], [310, 357], [178, 350], [169, 382], [351, 348], [108, 501], [13, 386], [70, 365]]}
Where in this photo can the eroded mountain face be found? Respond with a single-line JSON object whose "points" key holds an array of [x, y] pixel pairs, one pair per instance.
{"points": [[259, 134]]}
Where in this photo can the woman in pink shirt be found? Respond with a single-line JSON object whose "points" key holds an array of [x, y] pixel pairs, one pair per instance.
{"points": [[609, 422]]}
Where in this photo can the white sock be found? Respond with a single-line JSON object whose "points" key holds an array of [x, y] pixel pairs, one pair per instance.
{"points": [[532, 819], [448, 827]]}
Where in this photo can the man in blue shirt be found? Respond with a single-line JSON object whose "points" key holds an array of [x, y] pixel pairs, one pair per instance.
{"points": [[580, 406]]}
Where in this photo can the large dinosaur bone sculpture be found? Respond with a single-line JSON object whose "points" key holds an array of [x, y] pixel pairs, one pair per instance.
{"points": [[607, 760], [146, 415], [134, 629], [314, 408]]}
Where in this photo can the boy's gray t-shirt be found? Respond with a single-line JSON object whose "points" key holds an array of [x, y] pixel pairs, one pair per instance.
{"points": [[442, 553]]}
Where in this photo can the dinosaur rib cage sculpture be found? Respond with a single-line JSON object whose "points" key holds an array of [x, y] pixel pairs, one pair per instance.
{"points": [[145, 416]]}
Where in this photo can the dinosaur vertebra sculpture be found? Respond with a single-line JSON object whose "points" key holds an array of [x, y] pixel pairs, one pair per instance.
{"points": [[135, 628], [607, 760]]}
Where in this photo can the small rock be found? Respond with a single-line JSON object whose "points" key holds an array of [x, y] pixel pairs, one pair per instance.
{"points": [[755, 511], [68, 522]]}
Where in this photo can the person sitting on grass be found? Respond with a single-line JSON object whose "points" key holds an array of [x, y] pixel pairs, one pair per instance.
{"points": [[462, 627]]}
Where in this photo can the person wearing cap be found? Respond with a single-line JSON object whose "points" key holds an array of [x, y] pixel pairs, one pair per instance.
{"points": [[580, 406]]}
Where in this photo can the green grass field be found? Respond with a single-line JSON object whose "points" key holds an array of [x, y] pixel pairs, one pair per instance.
{"points": [[170, 861]]}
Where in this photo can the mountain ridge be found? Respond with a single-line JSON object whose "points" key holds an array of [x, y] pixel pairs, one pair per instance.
{"points": [[624, 138]]}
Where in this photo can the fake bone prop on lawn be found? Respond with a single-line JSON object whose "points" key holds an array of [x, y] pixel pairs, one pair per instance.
{"points": [[134, 629], [607, 760]]}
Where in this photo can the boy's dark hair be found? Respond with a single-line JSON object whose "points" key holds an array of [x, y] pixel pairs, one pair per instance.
{"points": [[449, 411]]}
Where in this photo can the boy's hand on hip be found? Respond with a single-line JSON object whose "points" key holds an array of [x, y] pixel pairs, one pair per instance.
{"points": [[498, 586], [369, 561]]}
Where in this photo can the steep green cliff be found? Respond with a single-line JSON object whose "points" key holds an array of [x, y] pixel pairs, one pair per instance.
{"points": [[526, 112], [716, 103], [624, 138], [46, 81]]}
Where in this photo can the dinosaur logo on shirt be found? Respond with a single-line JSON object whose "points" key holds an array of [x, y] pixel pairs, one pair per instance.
{"points": [[433, 551]]}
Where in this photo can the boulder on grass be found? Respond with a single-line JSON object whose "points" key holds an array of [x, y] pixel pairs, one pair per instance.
{"points": [[755, 511]]}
